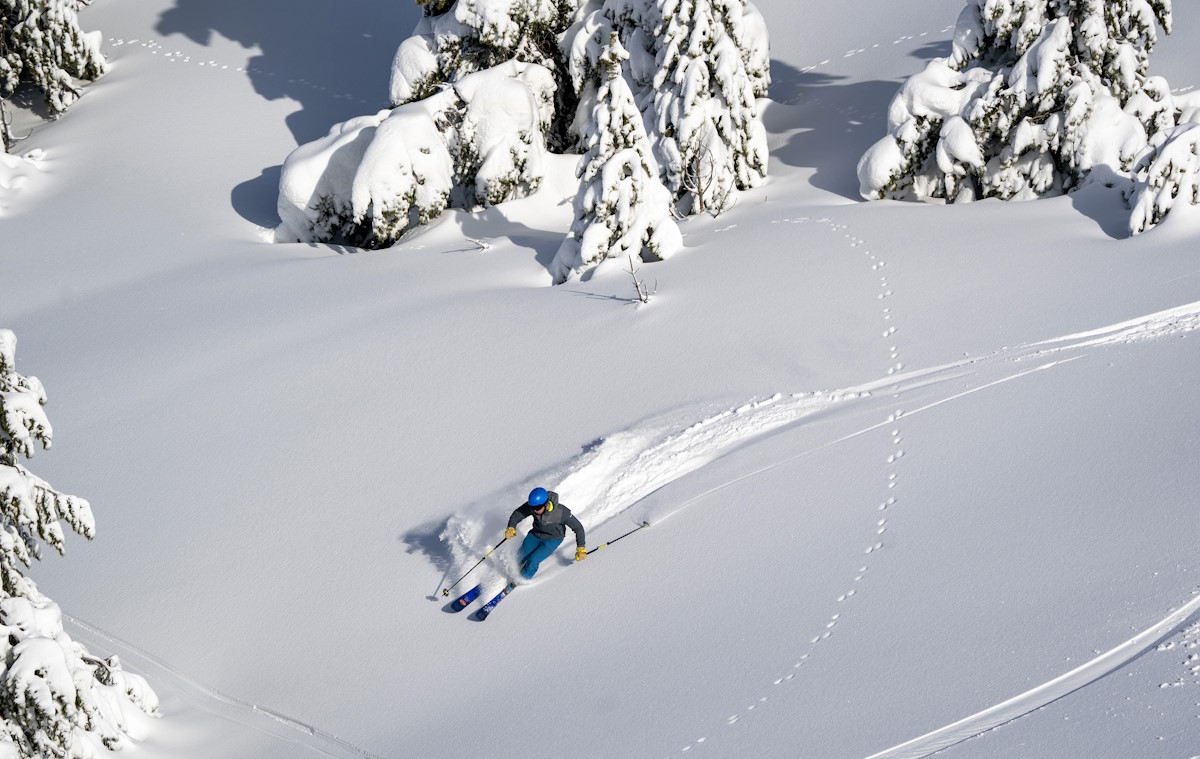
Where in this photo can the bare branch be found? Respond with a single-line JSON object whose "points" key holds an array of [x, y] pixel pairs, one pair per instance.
{"points": [[643, 294]]}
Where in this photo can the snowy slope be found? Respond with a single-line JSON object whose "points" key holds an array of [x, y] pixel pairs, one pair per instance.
{"points": [[902, 464]]}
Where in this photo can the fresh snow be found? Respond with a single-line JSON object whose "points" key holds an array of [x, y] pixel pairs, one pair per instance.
{"points": [[916, 475]]}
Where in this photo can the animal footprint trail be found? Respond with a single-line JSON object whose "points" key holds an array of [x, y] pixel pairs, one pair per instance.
{"points": [[879, 524], [1177, 321], [1187, 648], [179, 57]]}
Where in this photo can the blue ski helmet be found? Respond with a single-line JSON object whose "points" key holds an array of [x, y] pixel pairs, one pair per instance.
{"points": [[538, 497]]}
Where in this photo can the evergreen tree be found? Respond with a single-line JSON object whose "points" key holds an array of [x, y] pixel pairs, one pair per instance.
{"points": [[622, 207], [1035, 95], [696, 70], [455, 39], [41, 42], [55, 699], [705, 89]]}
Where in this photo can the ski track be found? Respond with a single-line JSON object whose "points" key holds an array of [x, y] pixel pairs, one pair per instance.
{"points": [[612, 476], [1174, 321], [1044, 694]]}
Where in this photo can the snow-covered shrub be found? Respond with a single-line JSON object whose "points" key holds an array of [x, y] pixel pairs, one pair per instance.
{"points": [[41, 42], [1035, 94], [454, 39], [695, 71], [622, 208], [1166, 174], [476, 143], [55, 699]]}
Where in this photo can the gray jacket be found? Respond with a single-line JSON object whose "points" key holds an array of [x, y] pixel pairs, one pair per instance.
{"points": [[552, 523]]}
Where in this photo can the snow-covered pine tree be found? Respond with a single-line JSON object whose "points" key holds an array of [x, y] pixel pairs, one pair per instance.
{"points": [[454, 39], [56, 700], [696, 70], [622, 207], [1035, 95], [710, 68], [41, 42]]}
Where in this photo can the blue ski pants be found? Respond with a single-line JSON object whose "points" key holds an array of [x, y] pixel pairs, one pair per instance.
{"points": [[533, 552]]}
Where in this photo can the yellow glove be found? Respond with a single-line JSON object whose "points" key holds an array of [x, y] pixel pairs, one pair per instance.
{"points": [[511, 532], [580, 553]]}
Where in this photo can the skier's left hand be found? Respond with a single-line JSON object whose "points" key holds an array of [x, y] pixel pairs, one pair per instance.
{"points": [[580, 553]]}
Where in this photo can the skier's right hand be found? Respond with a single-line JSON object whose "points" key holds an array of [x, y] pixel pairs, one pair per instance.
{"points": [[511, 532]]}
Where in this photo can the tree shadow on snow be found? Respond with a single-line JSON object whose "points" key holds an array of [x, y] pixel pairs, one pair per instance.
{"points": [[834, 124], [494, 223], [334, 59], [256, 199], [939, 49], [1101, 199]]}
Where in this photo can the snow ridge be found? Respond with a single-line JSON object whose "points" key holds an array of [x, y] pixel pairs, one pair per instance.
{"points": [[211, 700]]}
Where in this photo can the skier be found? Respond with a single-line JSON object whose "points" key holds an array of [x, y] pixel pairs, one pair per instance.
{"points": [[550, 522]]}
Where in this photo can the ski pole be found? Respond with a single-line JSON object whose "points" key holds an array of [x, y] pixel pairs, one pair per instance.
{"points": [[446, 591], [614, 540]]}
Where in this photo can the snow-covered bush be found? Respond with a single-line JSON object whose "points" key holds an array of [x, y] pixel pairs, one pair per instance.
{"points": [[476, 143], [622, 208], [695, 71], [1166, 174], [1035, 94], [55, 699], [41, 42]]}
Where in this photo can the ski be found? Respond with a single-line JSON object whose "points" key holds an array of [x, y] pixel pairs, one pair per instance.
{"points": [[487, 608], [465, 599]]}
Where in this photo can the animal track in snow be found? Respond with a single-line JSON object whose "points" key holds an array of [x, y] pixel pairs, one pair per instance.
{"points": [[874, 46], [1188, 648], [880, 524], [156, 48]]}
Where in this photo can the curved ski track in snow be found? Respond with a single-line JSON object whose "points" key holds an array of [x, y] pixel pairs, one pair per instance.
{"points": [[1036, 698], [1152, 326], [760, 418]]}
